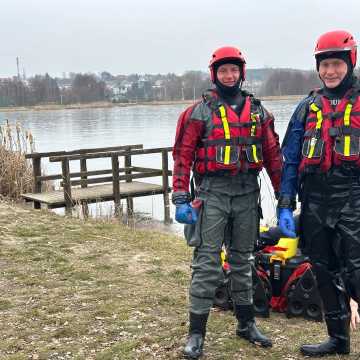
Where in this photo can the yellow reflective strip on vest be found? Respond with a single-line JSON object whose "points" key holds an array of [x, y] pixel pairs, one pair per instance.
{"points": [[319, 121], [254, 153], [312, 149], [253, 133], [347, 114], [226, 133], [314, 107], [347, 145], [347, 123], [253, 126]]}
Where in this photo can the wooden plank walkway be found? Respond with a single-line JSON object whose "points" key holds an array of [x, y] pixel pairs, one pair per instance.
{"points": [[96, 193], [78, 187]]}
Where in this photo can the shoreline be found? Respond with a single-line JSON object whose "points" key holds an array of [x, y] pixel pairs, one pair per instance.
{"points": [[105, 104]]}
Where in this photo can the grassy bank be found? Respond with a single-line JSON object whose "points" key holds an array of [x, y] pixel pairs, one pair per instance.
{"points": [[75, 290]]}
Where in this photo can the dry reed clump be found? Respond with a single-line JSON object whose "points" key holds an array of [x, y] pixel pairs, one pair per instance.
{"points": [[15, 170]]}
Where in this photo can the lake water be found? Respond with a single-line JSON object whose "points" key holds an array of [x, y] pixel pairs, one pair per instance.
{"points": [[150, 125]]}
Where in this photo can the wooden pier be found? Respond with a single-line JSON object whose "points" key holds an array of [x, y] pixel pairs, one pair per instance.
{"points": [[83, 187]]}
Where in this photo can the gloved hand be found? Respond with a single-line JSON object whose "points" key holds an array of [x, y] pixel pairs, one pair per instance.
{"points": [[286, 222], [186, 214]]}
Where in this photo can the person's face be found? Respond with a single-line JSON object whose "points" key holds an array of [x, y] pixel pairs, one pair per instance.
{"points": [[228, 74], [332, 72]]}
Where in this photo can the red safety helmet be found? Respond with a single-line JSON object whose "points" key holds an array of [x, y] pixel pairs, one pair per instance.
{"points": [[227, 53], [334, 41]]}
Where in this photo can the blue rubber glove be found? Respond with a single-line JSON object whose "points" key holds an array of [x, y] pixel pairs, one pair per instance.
{"points": [[186, 214], [286, 222]]}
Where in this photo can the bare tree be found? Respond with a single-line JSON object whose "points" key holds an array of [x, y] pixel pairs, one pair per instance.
{"points": [[289, 82], [86, 88]]}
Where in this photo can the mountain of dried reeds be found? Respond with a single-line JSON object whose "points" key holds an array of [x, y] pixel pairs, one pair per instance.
{"points": [[15, 170]]}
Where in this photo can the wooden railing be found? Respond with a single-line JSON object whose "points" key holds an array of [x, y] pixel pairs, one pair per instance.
{"points": [[75, 181]]}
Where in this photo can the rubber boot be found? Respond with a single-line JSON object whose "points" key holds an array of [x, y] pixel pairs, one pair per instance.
{"points": [[247, 329], [338, 341], [195, 342]]}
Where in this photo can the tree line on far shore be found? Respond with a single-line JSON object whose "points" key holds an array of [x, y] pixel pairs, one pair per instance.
{"points": [[43, 89], [88, 87]]}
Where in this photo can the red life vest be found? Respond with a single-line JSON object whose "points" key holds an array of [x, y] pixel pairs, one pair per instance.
{"points": [[234, 142], [332, 137]]}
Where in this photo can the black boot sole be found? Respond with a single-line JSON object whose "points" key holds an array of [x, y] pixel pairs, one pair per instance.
{"points": [[187, 356], [305, 353], [257, 343], [324, 352]]}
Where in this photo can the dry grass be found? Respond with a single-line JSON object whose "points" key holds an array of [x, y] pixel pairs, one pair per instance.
{"points": [[15, 170], [98, 290]]}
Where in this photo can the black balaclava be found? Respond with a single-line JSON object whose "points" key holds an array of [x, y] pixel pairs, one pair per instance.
{"points": [[231, 94], [339, 91], [227, 91]]}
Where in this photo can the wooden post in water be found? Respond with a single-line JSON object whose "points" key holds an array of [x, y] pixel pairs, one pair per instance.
{"points": [[36, 161], [129, 200], [84, 205], [165, 183], [116, 183], [67, 185]]}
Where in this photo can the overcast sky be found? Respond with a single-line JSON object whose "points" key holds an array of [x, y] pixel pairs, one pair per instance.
{"points": [[161, 36]]}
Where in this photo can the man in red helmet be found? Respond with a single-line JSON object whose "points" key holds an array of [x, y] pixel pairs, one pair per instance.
{"points": [[322, 164], [225, 139]]}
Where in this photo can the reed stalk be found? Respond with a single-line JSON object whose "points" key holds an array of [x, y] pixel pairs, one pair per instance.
{"points": [[15, 170]]}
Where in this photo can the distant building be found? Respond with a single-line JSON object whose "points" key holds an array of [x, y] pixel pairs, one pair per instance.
{"points": [[4, 80], [117, 90], [64, 84], [159, 90]]}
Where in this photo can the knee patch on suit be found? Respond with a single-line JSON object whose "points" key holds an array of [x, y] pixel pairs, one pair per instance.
{"points": [[207, 274], [237, 258]]}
